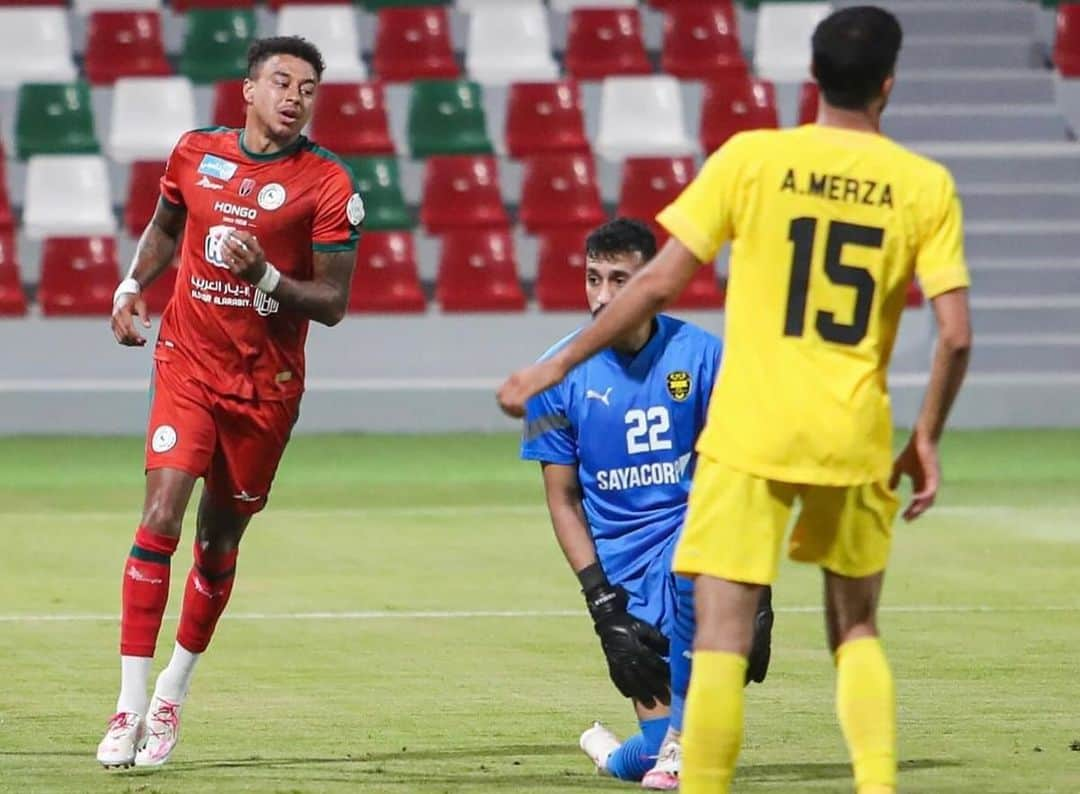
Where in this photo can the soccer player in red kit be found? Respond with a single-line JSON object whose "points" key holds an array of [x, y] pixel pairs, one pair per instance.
{"points": [[267, 224]]}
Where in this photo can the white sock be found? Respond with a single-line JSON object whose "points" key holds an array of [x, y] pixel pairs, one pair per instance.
{"points": [[134, 677], [175, 679]]}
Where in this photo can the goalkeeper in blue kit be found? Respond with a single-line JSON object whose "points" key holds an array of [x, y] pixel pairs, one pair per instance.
{"points": [[615, 441]]}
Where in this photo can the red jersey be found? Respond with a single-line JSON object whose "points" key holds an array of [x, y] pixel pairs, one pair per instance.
{"points": [[225, 332]]}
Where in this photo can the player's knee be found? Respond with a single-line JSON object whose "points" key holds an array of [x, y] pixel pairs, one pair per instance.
{"points": [[843, 633], [163, 516]]}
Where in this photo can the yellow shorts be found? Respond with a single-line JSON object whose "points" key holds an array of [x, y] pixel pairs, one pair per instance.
{"points": [[736, 522]]}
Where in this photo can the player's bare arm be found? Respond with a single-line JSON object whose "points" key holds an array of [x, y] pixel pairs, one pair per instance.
{"points": [[324, 298], [564, 501], [154, 253], [652, 288], [919, 458]]}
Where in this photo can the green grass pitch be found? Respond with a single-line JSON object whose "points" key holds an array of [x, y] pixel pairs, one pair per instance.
{"points": [[324, 678]]}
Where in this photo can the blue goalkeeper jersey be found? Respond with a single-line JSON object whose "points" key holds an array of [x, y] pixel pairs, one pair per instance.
{"points": [[629, 424]]}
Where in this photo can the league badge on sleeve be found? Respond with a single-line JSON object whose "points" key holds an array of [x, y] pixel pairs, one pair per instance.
{"points": [[354, 210], [271, 196], [678, 385], [217, 167]]}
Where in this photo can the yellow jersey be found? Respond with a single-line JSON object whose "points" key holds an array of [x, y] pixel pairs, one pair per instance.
{"points": [[827, 227]]}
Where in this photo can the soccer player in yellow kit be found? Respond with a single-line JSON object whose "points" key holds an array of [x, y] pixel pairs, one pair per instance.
{"points": [[829, 222]]}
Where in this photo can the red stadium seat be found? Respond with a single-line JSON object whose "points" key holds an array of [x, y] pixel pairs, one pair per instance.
{"points": [[144, 190], [703, 291], [160, 292], [461, 191], [478, 272], [414, 44], [387, 279], [180, 6], [124, 44], [12, 297], [7, 220], [809, 98], [560, 277], [651, 183], [735, 104], [545, 117], [1067, 40], [560, 190], [701, 41], [229, 108], [78, 276], [605, 41], [350, 118], [915, 298]]}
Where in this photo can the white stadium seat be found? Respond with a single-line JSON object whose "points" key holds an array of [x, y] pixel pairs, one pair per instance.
{"points": [[567, 6], [782, 51], [332, 28], [35, 46], [510, 43], [67, 196], [642, 116], [87, 7], [149, 114]]}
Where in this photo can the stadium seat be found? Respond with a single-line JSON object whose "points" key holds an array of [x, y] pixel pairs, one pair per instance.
{"points": [[703, 291], [350, 118], [602, 42], [124, 44], [560, 276], [160, 291], [667, 5], [182, 6], [277, 5], [230, 110], [216, 43], [914, 298], [461, 191], [545, 117], [735, 104], [510, 43], [78, 276], [414, 44], [387, 279], [1067, 40], [378, 5], [67, 195], [478, 272], [12, 296], [143, 192], [560, 190], [7, 219], [380, 185], [809, 99], [35, 46], [447, 117], [701, 41], [642, 116], [149, 114], [54, 118], [566, 6], [782, 44], [332, 28], [651, 183]]}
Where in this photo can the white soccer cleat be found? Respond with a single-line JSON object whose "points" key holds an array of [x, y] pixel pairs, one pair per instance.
{"points": [[599, 743], [121, 741], [664, 776], [162, 732]]}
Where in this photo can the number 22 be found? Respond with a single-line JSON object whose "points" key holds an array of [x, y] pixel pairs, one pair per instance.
{"points": [[652, 424]]}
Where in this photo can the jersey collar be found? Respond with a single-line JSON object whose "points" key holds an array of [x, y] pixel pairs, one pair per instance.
{"points": [[640, 362], [264, 158]]}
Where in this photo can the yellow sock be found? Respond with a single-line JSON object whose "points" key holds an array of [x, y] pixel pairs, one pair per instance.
{"points": [[866, 706], [713, 725]]}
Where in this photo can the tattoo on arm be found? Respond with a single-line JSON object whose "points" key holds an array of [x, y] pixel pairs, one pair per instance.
{"points": [[157, 246], [324, 298]]}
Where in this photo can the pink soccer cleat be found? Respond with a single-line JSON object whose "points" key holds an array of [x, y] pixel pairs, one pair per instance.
{"points": [[121, 741], [162, 732]]}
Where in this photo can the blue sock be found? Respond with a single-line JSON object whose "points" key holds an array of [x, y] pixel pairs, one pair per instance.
{"points": [[682, 644], [637, 754]]}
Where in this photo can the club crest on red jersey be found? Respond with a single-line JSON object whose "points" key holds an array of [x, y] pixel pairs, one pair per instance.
{"points": [[247, 187]]}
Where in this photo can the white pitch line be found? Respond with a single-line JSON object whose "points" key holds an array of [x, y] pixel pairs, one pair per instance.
{"points": [[526, 613]]}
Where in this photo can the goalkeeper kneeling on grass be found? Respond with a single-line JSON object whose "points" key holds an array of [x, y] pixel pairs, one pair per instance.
{"points": [[615, 441]]}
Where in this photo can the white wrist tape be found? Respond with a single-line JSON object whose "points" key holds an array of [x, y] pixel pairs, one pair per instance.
{"points": [[128, 286], [269, 281]]}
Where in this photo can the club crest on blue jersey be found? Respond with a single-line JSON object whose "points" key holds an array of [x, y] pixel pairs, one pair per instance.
{"points": [[217, 167], [678, 385]]}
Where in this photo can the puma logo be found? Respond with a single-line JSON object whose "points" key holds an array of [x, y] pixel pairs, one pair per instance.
{"points": [[595, 395]]}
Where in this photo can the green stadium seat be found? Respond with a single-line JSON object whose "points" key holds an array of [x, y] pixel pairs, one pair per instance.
{"points": [[54, 118], [447, 117], [216, 43], [380, 185]]}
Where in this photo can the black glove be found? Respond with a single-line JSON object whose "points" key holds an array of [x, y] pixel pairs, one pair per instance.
{"points": [[757, 664], [634, 649]]}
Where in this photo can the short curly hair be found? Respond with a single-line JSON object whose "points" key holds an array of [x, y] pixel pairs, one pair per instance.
{"points": [[262, 49]]}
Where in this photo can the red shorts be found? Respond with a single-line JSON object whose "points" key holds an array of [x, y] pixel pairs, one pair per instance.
{"points": [[235, 444]]}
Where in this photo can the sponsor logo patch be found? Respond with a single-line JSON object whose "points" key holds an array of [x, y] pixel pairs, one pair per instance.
{"points": [[217, 167]]}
